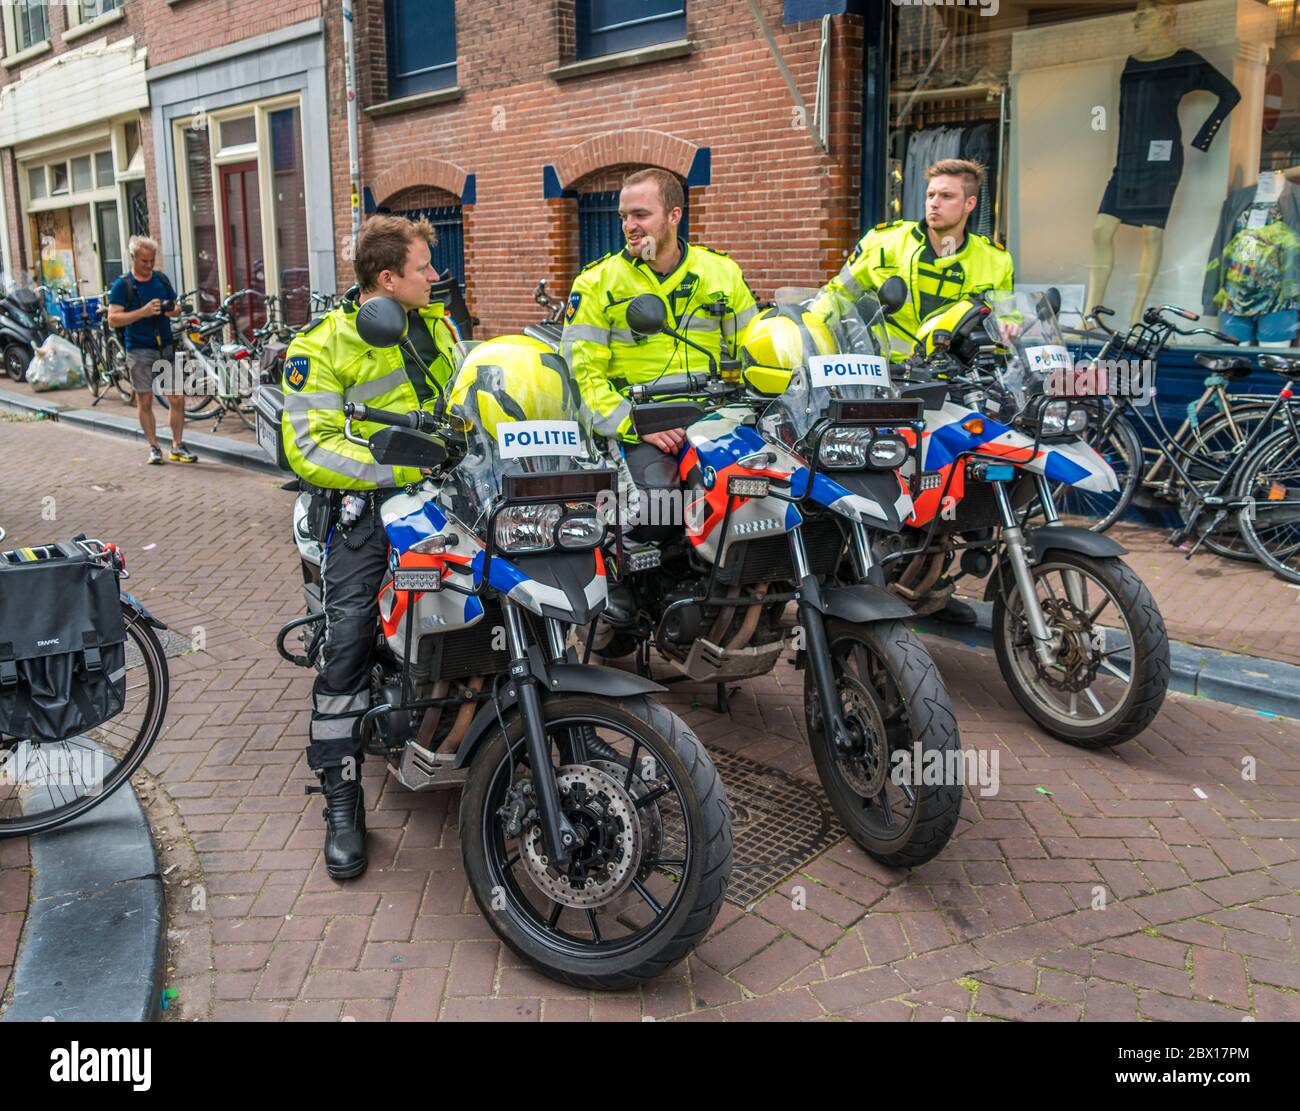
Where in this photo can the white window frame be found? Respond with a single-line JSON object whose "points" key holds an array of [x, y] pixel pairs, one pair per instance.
{"points": [[259, 151], [12, 53], [79, 27]]}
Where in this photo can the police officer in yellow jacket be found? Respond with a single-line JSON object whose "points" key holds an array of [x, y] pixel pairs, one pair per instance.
{"points": [[327, 366], [707, 300], [941, 260]]}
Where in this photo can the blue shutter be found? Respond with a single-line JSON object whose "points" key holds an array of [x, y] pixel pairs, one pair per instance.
{"points": [[608, 26], [421, 42]]}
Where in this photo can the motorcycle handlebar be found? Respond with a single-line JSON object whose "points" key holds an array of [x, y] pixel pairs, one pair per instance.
{"points": [[669, 384], [419, 419]]}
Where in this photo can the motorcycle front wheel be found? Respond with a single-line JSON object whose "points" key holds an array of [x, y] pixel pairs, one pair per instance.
{"points": [[648, 878], [898, 789], [1111, 652]]}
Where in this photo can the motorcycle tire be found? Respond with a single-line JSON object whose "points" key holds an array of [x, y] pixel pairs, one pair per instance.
{"points": [[1148, 658], [922, 715], [18, 357], [705, 831]]}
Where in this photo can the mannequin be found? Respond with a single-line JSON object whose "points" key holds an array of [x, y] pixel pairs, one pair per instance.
{"points": [[1252, 281], [1149, 161]]}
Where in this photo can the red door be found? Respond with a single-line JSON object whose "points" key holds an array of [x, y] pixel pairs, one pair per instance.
{"points": [[245, 262]]}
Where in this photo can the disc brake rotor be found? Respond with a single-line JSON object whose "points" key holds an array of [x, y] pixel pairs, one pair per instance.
{"points": [[652, 822], [1078, 660], [866, 766], [604, 863]]}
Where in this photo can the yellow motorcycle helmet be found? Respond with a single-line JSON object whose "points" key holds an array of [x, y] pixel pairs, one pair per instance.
{"points": [[510, 378], [779, 340]]}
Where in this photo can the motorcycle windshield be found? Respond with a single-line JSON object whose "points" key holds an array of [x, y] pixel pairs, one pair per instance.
{"points": [[855, 368], [517, 417], [1025, 328]]}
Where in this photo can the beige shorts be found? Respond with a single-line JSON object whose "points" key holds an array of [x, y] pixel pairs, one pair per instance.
{"points": [[141, 361]]}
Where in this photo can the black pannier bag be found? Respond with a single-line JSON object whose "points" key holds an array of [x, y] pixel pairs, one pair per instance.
{"points": [[62, 645]]}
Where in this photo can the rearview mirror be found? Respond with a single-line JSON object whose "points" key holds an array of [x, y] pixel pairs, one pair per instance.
{"points": [[893, 294], [381, 322], [663, 416], [405, 447], [1054, 299], [647, 314]]}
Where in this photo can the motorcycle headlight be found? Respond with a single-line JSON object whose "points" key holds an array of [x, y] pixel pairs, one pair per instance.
{"points": [[1077, 422], [527, 528], [581, 529], [845, 448], [1053, 417], [887, 452]]}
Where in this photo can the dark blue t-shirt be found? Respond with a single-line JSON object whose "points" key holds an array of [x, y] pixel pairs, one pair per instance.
{"points": [[148, 331]]}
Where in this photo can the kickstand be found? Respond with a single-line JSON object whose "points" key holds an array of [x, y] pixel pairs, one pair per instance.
{"points": [[724, 698], [642, 659]]}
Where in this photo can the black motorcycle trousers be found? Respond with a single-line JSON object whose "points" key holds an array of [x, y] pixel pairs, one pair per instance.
{"points": [[351, 574]]}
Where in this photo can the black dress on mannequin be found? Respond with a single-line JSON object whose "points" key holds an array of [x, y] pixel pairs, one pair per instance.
{"points": [[1150, 160]]}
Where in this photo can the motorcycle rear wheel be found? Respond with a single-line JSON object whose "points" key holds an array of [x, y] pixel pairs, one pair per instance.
{"points": [[894, 702], [624, 914]]}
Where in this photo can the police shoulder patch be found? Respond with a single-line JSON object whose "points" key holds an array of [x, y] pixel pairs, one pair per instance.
{"points": [[856, 253], [575, 299], [296, 370]]}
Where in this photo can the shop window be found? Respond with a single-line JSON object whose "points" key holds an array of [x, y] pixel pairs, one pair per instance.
{"points": [[1183, 185], [36, 183], [421, 45], [58, 178], [203, 218], [104, 168], [82, 181], [609, 26]]}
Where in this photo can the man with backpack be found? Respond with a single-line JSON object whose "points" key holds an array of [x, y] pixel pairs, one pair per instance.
{"points": [[140, 304]]}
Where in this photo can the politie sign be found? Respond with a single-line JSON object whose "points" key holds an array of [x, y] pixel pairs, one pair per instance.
{"points": [[521, 438], [848, 370]]}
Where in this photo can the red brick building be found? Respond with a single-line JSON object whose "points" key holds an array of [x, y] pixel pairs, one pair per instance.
{"points": [[541, 110]]}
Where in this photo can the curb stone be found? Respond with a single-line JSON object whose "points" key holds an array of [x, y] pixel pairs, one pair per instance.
{"points": [[1250, 681], [93, 946], [218, 448]]}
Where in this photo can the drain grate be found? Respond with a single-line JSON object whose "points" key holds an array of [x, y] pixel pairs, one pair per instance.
{"points": [[173, 644], [778, 824]]}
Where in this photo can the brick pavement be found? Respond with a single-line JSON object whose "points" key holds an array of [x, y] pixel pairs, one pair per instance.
{"points": [[1200, 895]]}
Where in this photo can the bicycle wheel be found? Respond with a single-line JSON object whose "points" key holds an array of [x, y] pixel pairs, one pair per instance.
{"points": [[1271, 523], [200, 386], [117, 369], [1116, 441], [44, 784], [97, 375], [1216, 444]]}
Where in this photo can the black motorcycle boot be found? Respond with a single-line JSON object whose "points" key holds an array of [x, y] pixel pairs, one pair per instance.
{"points": [[345, 824], [956, 612]]}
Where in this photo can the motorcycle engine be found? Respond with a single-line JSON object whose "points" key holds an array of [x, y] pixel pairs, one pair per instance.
{"points": [[682, 625]]}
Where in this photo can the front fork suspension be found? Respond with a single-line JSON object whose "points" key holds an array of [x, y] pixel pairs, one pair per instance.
{"points": [[1018, 554], [818, 647], [558, 834]]}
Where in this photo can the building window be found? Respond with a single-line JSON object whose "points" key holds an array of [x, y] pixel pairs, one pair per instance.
{"points": [[36, 188], [421, 42], [289, 196], [609, 26], [31, 23], [93, 9], [81, 179]]}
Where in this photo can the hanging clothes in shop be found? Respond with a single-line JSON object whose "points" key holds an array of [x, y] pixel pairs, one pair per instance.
{"points": [[925, 147]]}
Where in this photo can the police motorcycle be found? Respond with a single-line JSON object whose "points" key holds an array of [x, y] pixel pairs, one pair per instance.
{"points": [[1078, 637], [594, 827], [787, 468]]}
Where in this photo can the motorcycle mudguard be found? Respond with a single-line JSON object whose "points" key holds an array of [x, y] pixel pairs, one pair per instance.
{"points": [[569, 586], [606, 682], [135, 604], [1061, 538], [863, 603]]}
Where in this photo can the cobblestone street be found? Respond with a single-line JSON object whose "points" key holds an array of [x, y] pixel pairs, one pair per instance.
{"points": [[1198, 867]]}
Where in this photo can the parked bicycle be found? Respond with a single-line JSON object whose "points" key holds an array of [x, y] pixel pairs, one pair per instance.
{"points": [[103, 358], [213, 372], [74, 725]]}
